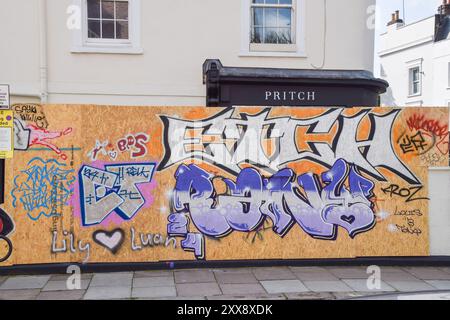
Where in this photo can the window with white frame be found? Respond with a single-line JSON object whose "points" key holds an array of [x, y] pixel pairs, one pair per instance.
{"points": [[272, 22], [273, 27], [107, 19], [415, 81], [108, 26]]}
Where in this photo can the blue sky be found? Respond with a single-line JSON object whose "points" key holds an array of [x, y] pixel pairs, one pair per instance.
{"points": [[414, 10]]}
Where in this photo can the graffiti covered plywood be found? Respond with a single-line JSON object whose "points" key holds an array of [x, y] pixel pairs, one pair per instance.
{"points": [[149, 184]]}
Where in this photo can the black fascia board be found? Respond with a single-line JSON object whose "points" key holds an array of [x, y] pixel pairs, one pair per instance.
{"points": [[236, 86]]}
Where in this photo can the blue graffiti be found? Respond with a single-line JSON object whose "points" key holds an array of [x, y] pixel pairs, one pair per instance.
{"points": [[340, 197], [42, 188], [114, 189]]}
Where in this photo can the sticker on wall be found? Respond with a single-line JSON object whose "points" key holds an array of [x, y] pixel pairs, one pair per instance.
{"points": [[6, 134]]}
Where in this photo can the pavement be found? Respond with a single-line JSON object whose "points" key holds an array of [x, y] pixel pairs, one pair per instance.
{"points": [[277, 283]]}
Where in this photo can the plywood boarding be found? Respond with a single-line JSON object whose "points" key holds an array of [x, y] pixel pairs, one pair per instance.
{"points": [[123, 184]]}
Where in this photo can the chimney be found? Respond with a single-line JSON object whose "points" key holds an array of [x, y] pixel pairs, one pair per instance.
{"points": [[395, 19], [442, 22], [444, 9]]}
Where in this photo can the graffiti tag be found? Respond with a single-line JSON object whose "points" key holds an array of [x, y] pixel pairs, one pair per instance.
{"points": [[112, 189], [228, 142], [317, 205], [42, 188]]}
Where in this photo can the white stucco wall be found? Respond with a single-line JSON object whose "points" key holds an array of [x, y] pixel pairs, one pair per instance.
{"points": [[177, 36], [400, 49]]}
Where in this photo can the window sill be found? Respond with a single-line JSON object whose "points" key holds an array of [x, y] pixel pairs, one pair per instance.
{"points": [[414, 95], [278, 54], [107, 49]]}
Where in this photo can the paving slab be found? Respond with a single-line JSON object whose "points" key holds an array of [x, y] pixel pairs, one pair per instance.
{"points": [[397, 275], [327, 286], [232, 270], [246, 288], [284, 286], [151, 273], [26, 294], [313, 275], [391, 269], [439, 284], [62, 286], [198, 289], [24, 282], [409, 286], [349, 272], [154, 292], [361, 285], [194, 276], [61, 295], [112, 280], [307, 269], [310, 296], [64, 277], [153, 282], [428, 273], [107, 293], [275, 273], [236, 278], [352, 295], [445, 269]]}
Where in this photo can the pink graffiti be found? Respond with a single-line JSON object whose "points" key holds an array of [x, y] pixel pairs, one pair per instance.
{"points": [[40, 136], [112, 220], [432, 128]]}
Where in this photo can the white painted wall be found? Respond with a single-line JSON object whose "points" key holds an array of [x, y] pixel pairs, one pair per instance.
{"points": [[439, 221], [177, 36], [399, 48]]}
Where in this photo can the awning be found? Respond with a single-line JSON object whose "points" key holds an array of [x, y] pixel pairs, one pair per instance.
{"points": [[237, 86]]}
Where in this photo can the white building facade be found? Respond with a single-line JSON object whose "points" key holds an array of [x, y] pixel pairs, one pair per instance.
{"points": [[415, 60], [145, 52]]}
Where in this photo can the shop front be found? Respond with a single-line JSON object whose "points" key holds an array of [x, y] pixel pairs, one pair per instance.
{"points": [[283, 166]]}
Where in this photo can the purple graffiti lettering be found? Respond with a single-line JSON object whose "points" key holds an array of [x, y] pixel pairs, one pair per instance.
{"points": [[340, 197]]}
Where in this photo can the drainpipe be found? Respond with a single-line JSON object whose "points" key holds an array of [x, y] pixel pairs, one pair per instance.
{"points": [[43, 68]]}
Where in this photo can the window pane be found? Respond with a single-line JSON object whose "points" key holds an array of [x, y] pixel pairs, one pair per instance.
{"points": [[415, 74], [285, 1], [258, 17], [257, 35], [93, 9], [258, 1], [271, 1], [415, 87], [270, 17], [122, 10], [271, 35], [122, 30], [284, 18], [107, 9], [108, 29], [93, 29], [284, 35]]}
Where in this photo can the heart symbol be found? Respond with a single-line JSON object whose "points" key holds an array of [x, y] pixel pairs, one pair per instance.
{"points": [[110, 240], [113, 155], [348, 219]]}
